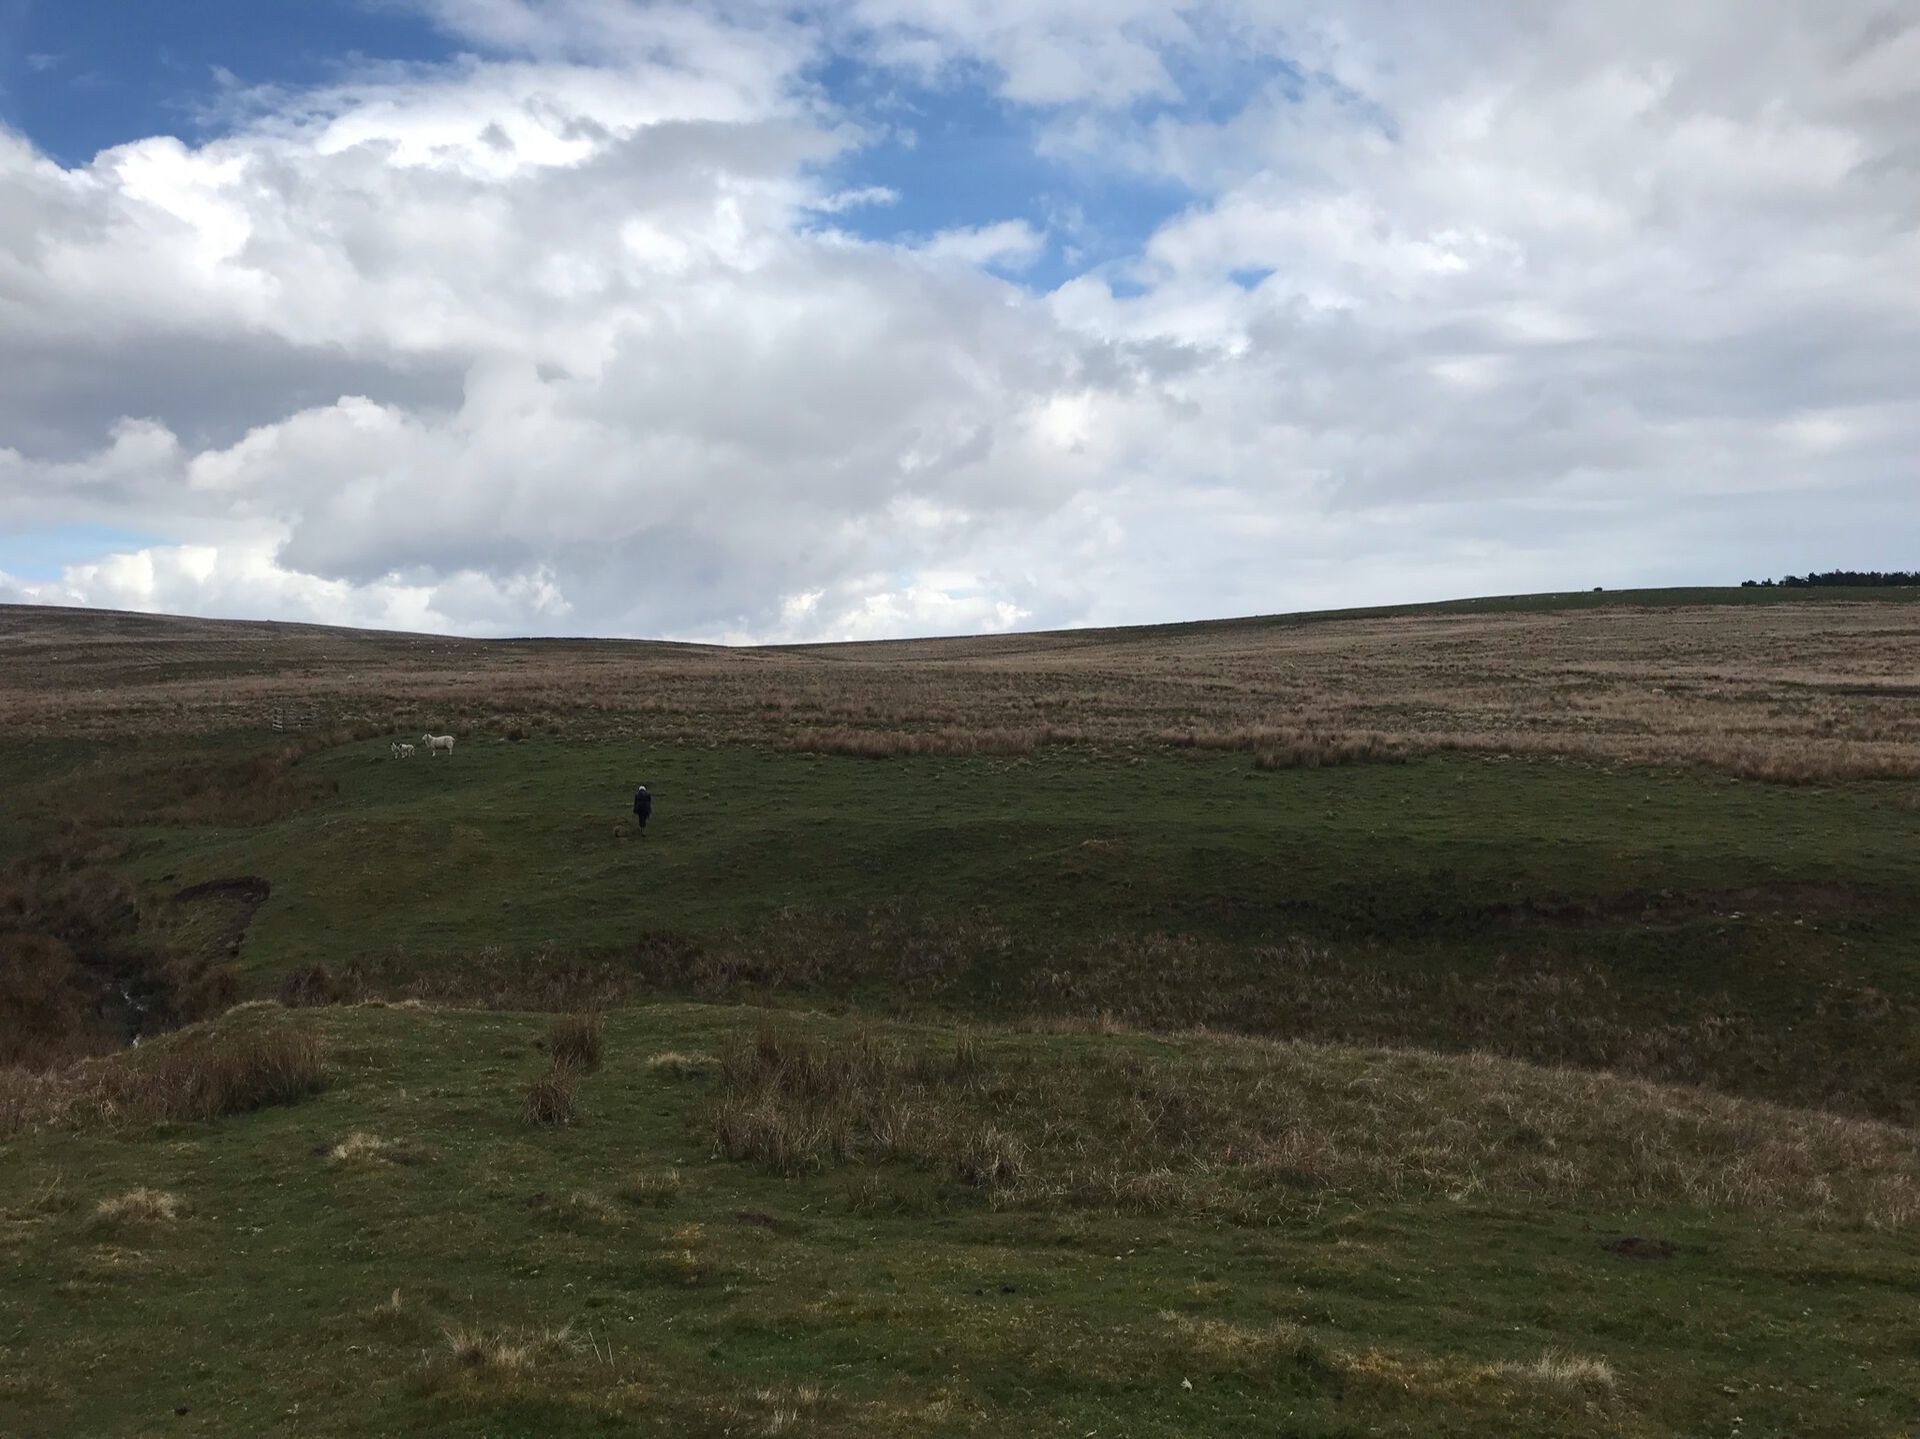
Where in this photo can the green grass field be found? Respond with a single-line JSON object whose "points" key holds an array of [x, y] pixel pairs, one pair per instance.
{"points": [[531, 843], [1115, 1088], [632, 1282], [1762, 935]]}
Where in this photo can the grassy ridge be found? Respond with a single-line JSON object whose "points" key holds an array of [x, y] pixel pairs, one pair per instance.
{"points": [[1058, 843], [402, 1253], [1549, 602], [1805, 692], [1680, 926]]}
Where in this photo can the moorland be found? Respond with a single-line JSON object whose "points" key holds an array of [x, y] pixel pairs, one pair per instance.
{"points": [[1498, 1017]]}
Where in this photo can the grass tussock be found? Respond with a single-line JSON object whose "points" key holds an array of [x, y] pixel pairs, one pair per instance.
{"points": [[495, 977], [487, 1360], [575, 1040], [248, 1060], [1246, 1130], [787, 1411], [1575, 1375], [1241, 1347], [797, 1103], [227, 1070], [391, 1313], [138, 1208], [552, 1098], [311, 985], [673, 1064], [360, 1147], [652, 1189]]}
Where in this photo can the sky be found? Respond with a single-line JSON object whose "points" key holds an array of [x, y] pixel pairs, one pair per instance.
{"points": [[763, 322]]}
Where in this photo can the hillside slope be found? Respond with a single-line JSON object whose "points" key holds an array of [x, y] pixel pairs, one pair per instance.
{"points": [[821, 1228], [1802, 685]]}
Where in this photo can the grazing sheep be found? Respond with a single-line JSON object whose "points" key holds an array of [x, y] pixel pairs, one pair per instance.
{"points": [[402, 751], [438, 742]]}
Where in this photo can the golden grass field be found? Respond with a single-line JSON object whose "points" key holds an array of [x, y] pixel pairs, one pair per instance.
{"points": [[1803, 690]]}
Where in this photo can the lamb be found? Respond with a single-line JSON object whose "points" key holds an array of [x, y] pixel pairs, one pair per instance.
{"points": [[402, 751], [438, 742]]}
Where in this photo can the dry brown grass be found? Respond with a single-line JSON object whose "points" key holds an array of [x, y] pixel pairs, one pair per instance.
{"points": [[138, 1208], [1243, 1128], [1816, 688], [796, 1103], [1564, 1010], [249, 1059], [1574, 1374], [575, 1041], [360, 1147], [1289, 746], [951, 740], [483, 1354], [553, 1097], [654, 1189], [673, 1064]]}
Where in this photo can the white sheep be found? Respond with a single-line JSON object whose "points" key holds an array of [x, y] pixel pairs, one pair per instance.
{"points": [[438, 742]]}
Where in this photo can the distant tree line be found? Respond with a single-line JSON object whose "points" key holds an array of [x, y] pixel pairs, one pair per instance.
{"points": [[1836, 577]]}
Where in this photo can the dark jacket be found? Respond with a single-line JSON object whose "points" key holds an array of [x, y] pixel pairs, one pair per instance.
{"points": [[642, 803]]}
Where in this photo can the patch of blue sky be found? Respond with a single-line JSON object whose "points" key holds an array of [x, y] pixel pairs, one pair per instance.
{"points": [[79, 76], [1215, 81], [957, 156], [41, 554]]}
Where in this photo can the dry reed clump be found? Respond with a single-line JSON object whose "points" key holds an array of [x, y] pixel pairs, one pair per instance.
{"points": [[654, 1189], [797, 1103], [499, 978], [773, 1413], [1510, 1389], [1239, 1346], [552, 1098], [673, 1064], [138, 1208], [1242, 1128], [311, 985], [1288, 746], [227, 1070], [203, 1072], [361, 1147], [1574, 1374], [391, 1313], [952, 740], [574, 1041], [988, 1157], [486, 1358]]}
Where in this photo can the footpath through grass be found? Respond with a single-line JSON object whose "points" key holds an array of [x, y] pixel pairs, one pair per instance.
{"points": [[404, 1253]]}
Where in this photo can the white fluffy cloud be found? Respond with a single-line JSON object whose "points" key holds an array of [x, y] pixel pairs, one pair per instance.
{"points": [[573, 335]]}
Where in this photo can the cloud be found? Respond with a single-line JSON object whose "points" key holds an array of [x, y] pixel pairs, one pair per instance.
{"points": [[569, 334], [1008, 244]]}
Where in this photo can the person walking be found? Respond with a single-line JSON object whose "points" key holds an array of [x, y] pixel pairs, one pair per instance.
{"points": [[642, 807]]}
